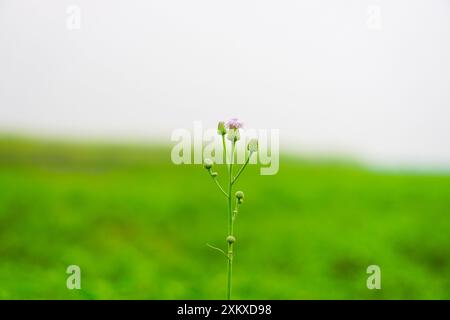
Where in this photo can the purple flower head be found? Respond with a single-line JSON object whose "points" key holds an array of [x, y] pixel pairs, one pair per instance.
{"points": [[234, 124]]}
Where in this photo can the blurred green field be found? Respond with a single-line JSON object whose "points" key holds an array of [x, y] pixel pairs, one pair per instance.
{"points": [[137, 226]]}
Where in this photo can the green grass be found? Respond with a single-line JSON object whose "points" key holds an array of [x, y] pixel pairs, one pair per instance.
{"points": [[137, 226]]}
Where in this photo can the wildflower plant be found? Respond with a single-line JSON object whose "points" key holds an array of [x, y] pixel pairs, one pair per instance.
{"points": [[230, 131]]}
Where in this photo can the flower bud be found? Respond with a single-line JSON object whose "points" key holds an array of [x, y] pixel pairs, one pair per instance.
{"points": [[221, 128], [214, 174], [239, 195], [233, 135], [253, 145], [208, 163], [231, 239]]}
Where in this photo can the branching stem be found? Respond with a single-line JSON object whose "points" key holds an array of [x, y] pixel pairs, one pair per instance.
{"points": [[218, 249], [232, 213], [220, 187], [242, 168]]}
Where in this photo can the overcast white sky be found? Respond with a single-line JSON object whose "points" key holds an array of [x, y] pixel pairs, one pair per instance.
{"points": [[368, 78]]}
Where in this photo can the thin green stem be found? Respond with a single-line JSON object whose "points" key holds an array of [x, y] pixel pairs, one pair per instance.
{"points": [[230, 224], [235, 212], [242, 168], [230, 269], [218, 249], [220, 187], [230, 186], [224, 150]]}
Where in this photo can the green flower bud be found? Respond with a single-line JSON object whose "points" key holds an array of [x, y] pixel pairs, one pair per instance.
{"points": [[221, 128], [214, 174], [253, 145], [231, 239], [233, 135], [208, 163], [239, 195]]}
